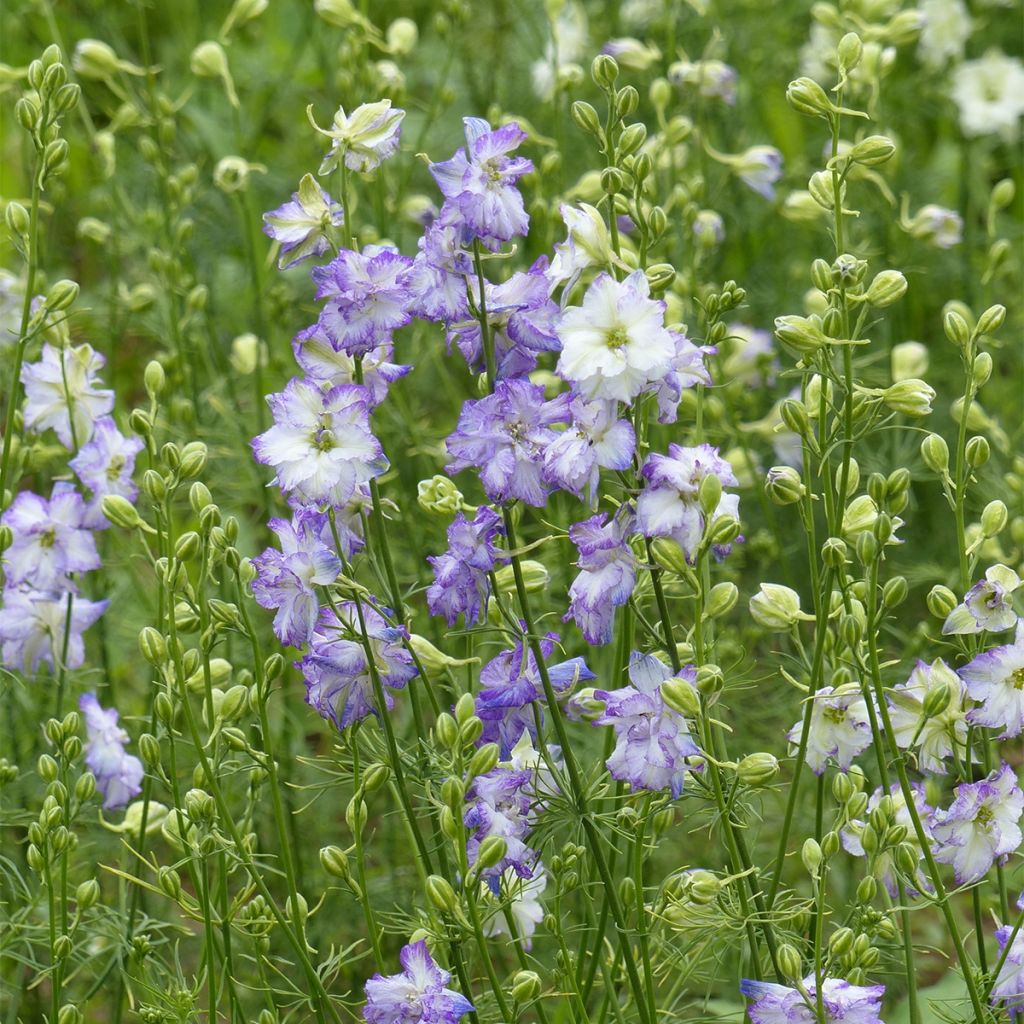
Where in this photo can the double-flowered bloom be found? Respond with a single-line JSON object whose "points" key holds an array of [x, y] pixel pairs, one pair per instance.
{"points": [[996, 680], [916, 721], [105, 466], [462, 574], [118, 773], [500, 806], [607, 574], [842, 1002], [988, 605], [840, 727], [595, 439], [301, 226], [35, 628], [418, 995]]}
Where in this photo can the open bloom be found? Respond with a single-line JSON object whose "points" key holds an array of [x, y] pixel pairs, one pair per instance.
{"points": [[286, 579], [843, 1003], [759, 168], [988, 605], [980, 826], [653, 742], [990, 95], [51, 539], [479, 182], [686, 370], [840, 727], [462, 574], [34, 629], [301, 225], [1009, 984], [320, 444], [711, 79], [440, 271], [417, 995], [607, 574], [118, 773], [329, 365], [524, 904], [996, 680], [500, 806], [61, 393], [594, 440], [504, 435], [587, 245], [105, 466], [935, 734], [364, 139], [615, 344]]}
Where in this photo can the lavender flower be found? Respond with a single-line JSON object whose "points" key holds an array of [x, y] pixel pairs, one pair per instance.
{"points": [[61, 393], [118, 774], [501, 807], [615, 344], [653, 742], [510, 685], [988, 605], [594, 440], [686, 370], [440, 271], [364, 139], [712, 79], [840, 727], [1008, 987], [339, 683], [479, 182], [417, 995], [980, 826], [504, 435], [461, 575], [669, 505], [996, 680], [51, 539], [607, 574], [751, 358], [320, 444], [301, 227], [935, 734], [368, 295], [105, 466], [286, 579], [843, 1003], [759, 168], [32, 629]]}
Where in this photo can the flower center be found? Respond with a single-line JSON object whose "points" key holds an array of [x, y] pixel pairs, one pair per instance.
{"points": [[48, 539], [323, 439], [1017, 679], [617, 337], [115, 467], [836, 715], [983, 819]]}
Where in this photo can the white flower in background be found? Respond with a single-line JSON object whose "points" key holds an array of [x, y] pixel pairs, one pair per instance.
{"points": [[990, 95], [524, 906], [937, 226], [944, 34], [987, 605], [566, 47], [12, 299]]}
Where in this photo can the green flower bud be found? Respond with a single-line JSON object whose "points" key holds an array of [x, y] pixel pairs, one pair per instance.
{"points": [[887, 288], [334, 861], [47, 768], [669, 555], [660, 276], [842, 788], [802, 334], [956, 328], [849, 51], [526, 986], [795, 417], [586, 118], [446, 731], [439, 496], [757, 770], [834, 552], [536, 577], [866, 889], [120, 511], [187, 546], [483, 761], [935, 453], [978, 452], [1003, 193], [441, 894], [710, 680], [906, 858], [612, 181], [193, 459], [775, 607], [981, 369], [994, 518], [811, 855], [807, 97], [491, 852], [841, 942], [991, 320], [95, 60], [69, 1014], [721, 600], [784, 485], [680, 695], [909, 359], [789, 962], [872, 151], [604, 70], [631, 139], [61, 295]]}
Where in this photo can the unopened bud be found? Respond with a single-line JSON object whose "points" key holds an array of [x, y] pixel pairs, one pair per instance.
{"points": [[757, 770]]}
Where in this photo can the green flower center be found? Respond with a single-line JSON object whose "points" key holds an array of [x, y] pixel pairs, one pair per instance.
{"points": [[617, 337], [48, 539], [836, 715], [1017, 679], [983, 820]]}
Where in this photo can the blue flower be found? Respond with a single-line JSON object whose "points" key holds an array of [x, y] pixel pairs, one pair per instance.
{"points": [[461, 575], [118, 773], [416, 996]]}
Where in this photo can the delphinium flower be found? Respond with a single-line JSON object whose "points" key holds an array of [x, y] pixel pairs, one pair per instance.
{"points": [[61, 393], [301, 226], [944, 33], [416, 996], [339, 680], [479, 182], [1008, 987], [287, 579], [320, 444], [510, 684], [936, 225], [524, 905], [364, 139], [669, 504], [607, 574], [843, 1003], [712, 79], [587, 245], [919, 718], [462, 574], [500, 806], [50, 539], [988, 605], [440, 271], [367, 297], [504, 436], [105, 466], [840, 727], [118, 773], [759, 168], [521, 317], [686, 370], [33, 625], [882, 860], [980, 826], [995, 679], [652, 741], [615, 344], [750, 356], [329, 366], [990, 95], [595, 439]]}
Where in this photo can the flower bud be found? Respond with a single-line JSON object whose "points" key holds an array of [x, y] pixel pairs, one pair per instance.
{"points": [[841, 942], [401, 37], [775, 607], [802, 334], [69, 1014], [956, 328], [935, 453], [909, 359], [789, 962], [894, 593], [991, 320], [721, 600], [981, 370], [439, 496], [95, 59], [811, 855], [586, 118], [887, 288], [441, 894], [680, 695], [784, 486], [757, 770], [536, 577], [604, 70], [660, 276], [994, 518], [334, 861], [807, 97], [483, 761], [710, 680], [874, 150], [526, 986], [120, 511], [978, 452], [446, 730], [491, 852], [842, 788], [61, 295]]}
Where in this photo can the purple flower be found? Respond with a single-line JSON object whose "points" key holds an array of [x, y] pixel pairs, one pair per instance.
{"points": [[330, 366], [843, 1003], [934, 735], [501, 807], [988, 605], [61, 393], [51, 539], [669, 505], [301, 226], [996, 680], [479, 182], [439, 273], [417, 995], [1009, 983], [32, 626], [461, 585], [339, 684], [521, 316], [686, 369], [594, 440], [367, 295], [286, 579], [510, 684], [980, 826], [759, 168], [504, 435], [364, 139], [105, 466], [320, 444], [118, 774], [652, 741], [840, 727], [607, 574]]}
